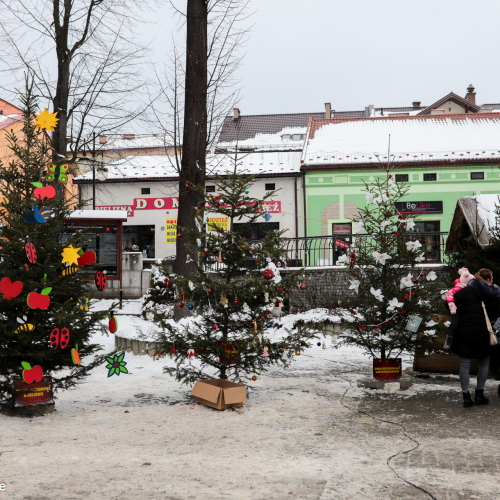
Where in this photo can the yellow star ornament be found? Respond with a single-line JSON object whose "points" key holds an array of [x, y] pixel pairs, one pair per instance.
{"points": [[70, 255], [47, 120]]}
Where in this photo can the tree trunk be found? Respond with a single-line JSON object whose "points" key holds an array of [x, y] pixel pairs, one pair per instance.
{"points": [[194, 142]]}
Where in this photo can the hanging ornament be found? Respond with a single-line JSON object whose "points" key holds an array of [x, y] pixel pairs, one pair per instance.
{"points": [[318, 344], [70, 255], [181, 305], [324, 346], [219, 259], [223, 300], [302, 344], [255, 325], [266, 297], [47, 120], [30, 251], [235, 302], [179, 236], [75, 356], [268, 274], [303, 286], [182, 296], [59, 337], [42, 192], [173, 350], [206, 251], [297, 353], [215, 327], [246, 191], [209, 291], [269, 325], [113, 322], [254, 378], [190, 353], [167, 283], [216, 360], [190, 306], [222, 275], [265, 354], [9, 289], [100, 280], [292, 290]]}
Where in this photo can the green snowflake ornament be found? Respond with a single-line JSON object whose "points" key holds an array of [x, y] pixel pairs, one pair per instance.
{"points": [[116, 365]]}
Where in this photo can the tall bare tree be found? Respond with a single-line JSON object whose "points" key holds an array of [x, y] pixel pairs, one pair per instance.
{"points": [[196, 95], [84, 60]]}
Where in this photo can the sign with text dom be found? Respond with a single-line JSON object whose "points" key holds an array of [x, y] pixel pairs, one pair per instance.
{"points": [[419, 207], [144, 204]]}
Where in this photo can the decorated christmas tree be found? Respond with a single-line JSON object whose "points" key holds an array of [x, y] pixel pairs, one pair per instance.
{"points": [[395, 299], [239, 290], [45, 323]]}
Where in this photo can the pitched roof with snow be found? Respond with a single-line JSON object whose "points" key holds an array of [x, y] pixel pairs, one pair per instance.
{"points": [[134, 142], [428, 138], [455, 98], [162, 167], [7, 120]]}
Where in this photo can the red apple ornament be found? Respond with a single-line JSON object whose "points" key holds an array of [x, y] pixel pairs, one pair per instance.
{"points": [[31, 375], [42, 192], [87, 258], [39, 300]]}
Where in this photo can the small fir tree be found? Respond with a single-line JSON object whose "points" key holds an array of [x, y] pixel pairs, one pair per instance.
{"points": [[389, 284], [229, 295], [25, 332]]}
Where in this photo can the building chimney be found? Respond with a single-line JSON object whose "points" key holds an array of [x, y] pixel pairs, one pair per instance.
{"points": [[471, 95], [103, 139], [416, 104], [328, 110], [236, 112]]}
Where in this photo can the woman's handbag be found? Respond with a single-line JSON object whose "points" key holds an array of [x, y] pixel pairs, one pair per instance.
{"points": [[493, 339]]}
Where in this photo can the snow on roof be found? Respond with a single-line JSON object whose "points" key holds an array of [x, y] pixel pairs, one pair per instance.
{"points": [[137, 142], [256, 163], [161, 167], [275, 141], [6, 120], [422, 138], [98, 214]]}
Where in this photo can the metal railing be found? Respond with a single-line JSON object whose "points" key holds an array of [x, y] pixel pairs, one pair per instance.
{"points": [[321, 251]]}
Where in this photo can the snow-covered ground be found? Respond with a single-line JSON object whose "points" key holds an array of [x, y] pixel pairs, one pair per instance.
{"points": [[140, 436]]}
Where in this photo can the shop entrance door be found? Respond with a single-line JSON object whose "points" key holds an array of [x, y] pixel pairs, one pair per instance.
{"points": [[428, 234]]}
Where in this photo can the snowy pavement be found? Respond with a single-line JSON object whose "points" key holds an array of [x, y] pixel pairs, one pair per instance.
{"points": [[307, 432]]}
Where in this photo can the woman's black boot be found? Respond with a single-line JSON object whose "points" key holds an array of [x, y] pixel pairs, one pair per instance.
{"points": [[479, 398], [467, 400]]}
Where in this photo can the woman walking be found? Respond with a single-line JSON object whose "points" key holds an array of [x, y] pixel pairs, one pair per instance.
{"points": [[472, 337]]}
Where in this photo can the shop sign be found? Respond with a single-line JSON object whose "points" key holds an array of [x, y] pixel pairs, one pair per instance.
{"points": [[170, 204], [341, 244], [220, 221], [419, 207], [342, 229], [171, 231], [33, 394]]}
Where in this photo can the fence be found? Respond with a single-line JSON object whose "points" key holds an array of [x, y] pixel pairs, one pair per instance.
{"points": [[320, 251]]}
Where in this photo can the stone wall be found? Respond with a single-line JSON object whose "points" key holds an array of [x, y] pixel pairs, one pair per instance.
{"points": [[322, 287]]}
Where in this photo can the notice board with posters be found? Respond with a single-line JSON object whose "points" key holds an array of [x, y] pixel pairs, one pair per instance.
{"points": [[171, 231]]}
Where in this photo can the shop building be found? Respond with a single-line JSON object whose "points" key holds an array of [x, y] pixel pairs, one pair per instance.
{"points": [[441, 158], [146, 187]]}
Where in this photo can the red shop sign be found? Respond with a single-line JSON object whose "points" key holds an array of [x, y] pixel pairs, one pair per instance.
{"points": [[33, 394], [341, 244]]}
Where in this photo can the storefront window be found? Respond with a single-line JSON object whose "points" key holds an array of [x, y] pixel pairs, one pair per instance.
{"points": [[341, 239], [103, 241], [258, 230], [428, 234], [139, 239]]}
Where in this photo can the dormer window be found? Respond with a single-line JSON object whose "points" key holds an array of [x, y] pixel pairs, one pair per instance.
{"points": [[286, 137]]}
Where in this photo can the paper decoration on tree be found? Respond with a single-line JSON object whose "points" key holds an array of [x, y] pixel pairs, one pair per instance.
{"points": [[42, 192], [113, 322], [83, 303], [70, 270], [41, 215], [39, 300], [116, 365], [10, 290], [57, 172], [47, 120], [266, 354], [190, 353], [59, 337], [100, 280], [75, 356], [27, 325], [31, 375], [30, 250], [87, 258], [70, 255]]}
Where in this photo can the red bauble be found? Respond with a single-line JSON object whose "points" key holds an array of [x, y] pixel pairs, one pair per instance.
{"points": [[263, 319], [302, 344], [181, 305], [400, 311], [206, 251], [362, 328], [268, 274], [222, 275], [179, 235], [235, 302], [426, 261], [199, 208], [292, 290], [209, 291], [282, 350], [215, 327], [173, 349], [254, 378], [303, 286], [281, 289]]}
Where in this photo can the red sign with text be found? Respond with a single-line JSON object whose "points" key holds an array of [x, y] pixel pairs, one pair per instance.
{"points": [[33, 394], [170, 204]]}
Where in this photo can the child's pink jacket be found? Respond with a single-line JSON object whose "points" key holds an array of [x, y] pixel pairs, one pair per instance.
{"points": [[450, 295]]}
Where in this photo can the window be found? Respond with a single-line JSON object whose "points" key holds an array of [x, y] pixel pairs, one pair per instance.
{"points": [[286, 137], [270, 187], [210, 189], [476, 175], [401, 177], [145, 190], [138, 239], [258, 230], [430, 177]]}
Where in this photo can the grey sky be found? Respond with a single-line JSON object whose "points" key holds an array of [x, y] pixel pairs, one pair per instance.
{"points": [[352, 53]]}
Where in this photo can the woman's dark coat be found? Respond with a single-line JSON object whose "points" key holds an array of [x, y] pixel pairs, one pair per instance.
{"points": [[471, 338]]}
